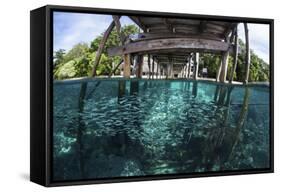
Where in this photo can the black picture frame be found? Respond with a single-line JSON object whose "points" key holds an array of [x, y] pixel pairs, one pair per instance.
{"points": [[41, 80]]}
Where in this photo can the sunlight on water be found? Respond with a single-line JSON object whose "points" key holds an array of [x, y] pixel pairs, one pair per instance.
{"points": [[113, 128]]}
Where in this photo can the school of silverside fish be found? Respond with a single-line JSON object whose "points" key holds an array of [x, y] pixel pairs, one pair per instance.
{"points": [[122, 128]]}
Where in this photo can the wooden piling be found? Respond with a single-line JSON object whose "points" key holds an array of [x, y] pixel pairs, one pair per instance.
{"points": [[127, 66], [235, 55], [101, 47], [248, 56]]}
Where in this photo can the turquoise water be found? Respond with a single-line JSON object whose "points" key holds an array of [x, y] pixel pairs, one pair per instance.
{"points": [[117, 128]]}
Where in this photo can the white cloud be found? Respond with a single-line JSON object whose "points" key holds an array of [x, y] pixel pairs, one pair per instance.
{"points": [[259, 39], [73, 28]]}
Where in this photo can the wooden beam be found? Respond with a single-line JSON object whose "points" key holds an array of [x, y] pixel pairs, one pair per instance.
{"points": [[127, 66], [228, 31], [146, 36], [233, 32], [187, 44], [115, 68], [101, 46], [118, 28], [139, 23], [248, 56], [235, 55], [169, 25]]}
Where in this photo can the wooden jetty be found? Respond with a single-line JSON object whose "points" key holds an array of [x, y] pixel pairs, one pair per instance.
{"points": [[171, 47]]}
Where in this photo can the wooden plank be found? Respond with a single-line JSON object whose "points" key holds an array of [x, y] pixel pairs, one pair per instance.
{"points": [[184, 21], [169, 25], [175, 57], [214, 26], [146, 36], [101, 46], [186, 44], [248, 56], [202, 26], [165, 22]]}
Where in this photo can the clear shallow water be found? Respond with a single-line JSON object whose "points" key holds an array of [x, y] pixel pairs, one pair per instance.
{"points": [[116, 128]]}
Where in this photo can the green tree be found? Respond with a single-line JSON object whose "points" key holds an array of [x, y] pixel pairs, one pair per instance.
{"points": [[211, 62], [78, 61], [77, 51], [58, 57], [75, 63], [113, 39], [259, 69]]}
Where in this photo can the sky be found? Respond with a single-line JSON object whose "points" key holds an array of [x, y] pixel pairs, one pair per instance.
{"points": [[73, 28], [259, 39]]}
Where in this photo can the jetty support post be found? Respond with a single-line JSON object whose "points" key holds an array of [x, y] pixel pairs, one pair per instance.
{"points": [[149, 66], [126, 57], [157, 67], [153, 73], [196, 66], [189, 66], [139, 65], [248, 56], [236, 46], [101, 47], [127, 66], [223, 67]]}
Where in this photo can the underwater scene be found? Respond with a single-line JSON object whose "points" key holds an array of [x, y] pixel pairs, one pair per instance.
{"points": [[110, 128]]}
